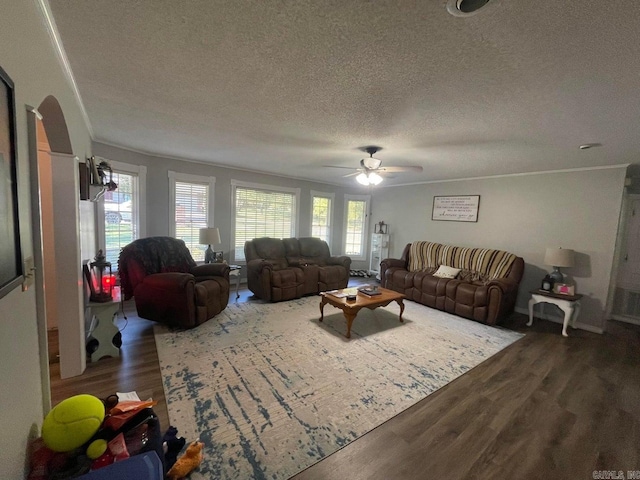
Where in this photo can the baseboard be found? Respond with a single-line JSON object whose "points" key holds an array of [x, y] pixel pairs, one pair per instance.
{"points": [[555, 319], [626, 319]]}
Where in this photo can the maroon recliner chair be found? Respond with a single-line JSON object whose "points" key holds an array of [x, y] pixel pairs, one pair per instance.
{"points": [[168, 286]]}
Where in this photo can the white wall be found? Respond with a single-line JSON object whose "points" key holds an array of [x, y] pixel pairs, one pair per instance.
{"points": [[88, 245], [48, 245], [69, 277], [28, 58], [158, 193], [523, 215]]}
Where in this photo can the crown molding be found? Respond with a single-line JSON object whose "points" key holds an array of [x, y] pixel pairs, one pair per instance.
{"points": [[505, 175], [212, 164], [63, 60]]}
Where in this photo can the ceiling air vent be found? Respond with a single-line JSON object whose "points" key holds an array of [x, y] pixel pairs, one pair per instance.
{"points": [[464, 8]]}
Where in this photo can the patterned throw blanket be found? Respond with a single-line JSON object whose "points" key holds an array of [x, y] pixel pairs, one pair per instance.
{"points": [[489, 263], [155, 255]]}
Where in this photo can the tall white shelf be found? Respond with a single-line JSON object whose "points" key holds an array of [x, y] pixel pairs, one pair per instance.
{"points": [[379, 251]]}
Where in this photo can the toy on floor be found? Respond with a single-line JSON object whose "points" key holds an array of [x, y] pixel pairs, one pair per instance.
{"points": [[72, 422], [172, 444], [187, 462]]}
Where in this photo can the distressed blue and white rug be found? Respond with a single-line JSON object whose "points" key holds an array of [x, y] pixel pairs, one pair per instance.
{"points": [[270, 390]]}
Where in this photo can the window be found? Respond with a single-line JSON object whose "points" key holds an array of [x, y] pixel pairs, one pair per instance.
{"points": [[121, 211], [262, 211], [356, 226], [321, 207], [191, 209]]}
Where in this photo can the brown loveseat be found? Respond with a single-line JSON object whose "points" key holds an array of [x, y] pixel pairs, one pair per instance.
{"points": [[290, 268], [484, 290], [168, 286]]}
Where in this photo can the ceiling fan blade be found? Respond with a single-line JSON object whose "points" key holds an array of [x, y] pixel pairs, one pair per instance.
{"points": [[413, 168], [353, 174], [338, 166]]}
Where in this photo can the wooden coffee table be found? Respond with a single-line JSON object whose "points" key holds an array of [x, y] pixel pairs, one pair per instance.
{"points": [[351, 308]]}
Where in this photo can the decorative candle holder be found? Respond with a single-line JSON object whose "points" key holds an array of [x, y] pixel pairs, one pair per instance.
{"points": [[104, 279]]}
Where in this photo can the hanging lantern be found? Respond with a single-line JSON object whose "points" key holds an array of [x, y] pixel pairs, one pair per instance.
{"points": [[104, 279]]}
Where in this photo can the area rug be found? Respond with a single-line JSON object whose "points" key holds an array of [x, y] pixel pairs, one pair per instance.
{"points": [[270, 390]]}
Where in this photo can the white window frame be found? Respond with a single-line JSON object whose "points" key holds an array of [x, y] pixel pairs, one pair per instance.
{"points": [[365, 232], [331, 197], [189, 178], [139, 210], [259, 186]]}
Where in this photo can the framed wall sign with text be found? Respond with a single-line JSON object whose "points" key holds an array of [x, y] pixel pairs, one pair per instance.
{"points": [[456, 208]]}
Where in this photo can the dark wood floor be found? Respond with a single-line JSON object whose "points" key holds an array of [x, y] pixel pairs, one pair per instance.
{"points": [[137, 369], [545, 407]]}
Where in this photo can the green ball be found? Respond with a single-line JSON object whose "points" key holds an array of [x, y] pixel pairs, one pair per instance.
{"points": [[96, 448], [72, 423]]}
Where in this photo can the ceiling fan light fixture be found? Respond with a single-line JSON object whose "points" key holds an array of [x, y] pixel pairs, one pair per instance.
{"points": [[362, 179], [368, 175], [371, 163], [371, 178], [374, 178]]}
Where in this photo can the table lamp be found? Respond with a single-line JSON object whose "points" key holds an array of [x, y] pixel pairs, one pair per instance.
{"points": [[559, 257], [209, 236]]}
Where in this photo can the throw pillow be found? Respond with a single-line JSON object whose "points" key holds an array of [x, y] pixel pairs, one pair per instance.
{"points": [[446, 272]]}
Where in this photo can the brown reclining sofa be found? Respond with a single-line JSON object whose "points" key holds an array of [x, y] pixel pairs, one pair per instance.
{"points": [[484, 290], [284, 269]]}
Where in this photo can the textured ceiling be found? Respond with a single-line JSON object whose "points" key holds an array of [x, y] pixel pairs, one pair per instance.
{"points": [[288, 86]]}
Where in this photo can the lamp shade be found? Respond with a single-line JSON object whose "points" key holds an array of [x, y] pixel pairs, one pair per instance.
{"points": [[559, 257], [209, 236]]}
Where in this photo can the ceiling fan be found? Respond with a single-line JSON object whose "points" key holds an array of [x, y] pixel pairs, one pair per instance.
{"points": [[371, 169]]}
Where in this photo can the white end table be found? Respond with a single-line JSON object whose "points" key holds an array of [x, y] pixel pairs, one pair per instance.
{"points": [[234, 272], [569, 304], [105, 329]]}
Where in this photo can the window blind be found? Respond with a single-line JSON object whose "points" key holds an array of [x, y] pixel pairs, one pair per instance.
{"points": [[191, 214], [262, 213]]}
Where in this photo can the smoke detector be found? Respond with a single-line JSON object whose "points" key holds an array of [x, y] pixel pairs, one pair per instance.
{"points": [[465, 8], [587, 146]]}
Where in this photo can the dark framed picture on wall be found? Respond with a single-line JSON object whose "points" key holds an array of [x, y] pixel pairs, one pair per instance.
{"points": [[11, 269]]}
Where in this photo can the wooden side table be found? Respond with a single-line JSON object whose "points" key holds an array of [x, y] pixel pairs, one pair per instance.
{"points": [[569, 304]]}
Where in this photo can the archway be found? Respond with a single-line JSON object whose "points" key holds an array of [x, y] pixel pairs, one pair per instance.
{"points": [[55, 225], [55, 126]]}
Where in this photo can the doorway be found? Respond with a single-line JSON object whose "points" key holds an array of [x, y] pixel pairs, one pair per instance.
{"points": [[626, 295], [55, 225], [48, 246]]}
